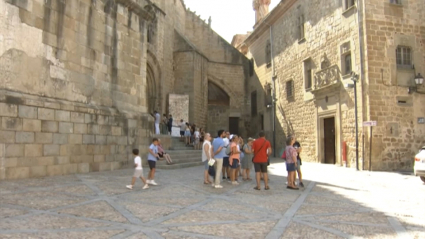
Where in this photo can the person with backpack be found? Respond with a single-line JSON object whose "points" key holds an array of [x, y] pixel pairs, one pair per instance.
{"points": [[262, 150]]}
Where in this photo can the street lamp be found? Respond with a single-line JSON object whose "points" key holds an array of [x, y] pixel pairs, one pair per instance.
{"points": [[355, 78], [419, 81]]}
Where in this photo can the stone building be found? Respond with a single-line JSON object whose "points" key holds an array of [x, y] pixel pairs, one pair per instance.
{"points": [[79, 78], [306, 53]]}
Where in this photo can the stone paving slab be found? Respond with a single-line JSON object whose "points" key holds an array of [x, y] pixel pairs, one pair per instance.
{"points": [[336, 203]]}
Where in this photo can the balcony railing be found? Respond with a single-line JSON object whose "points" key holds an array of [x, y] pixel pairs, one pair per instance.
{"points": [[327, 77]]}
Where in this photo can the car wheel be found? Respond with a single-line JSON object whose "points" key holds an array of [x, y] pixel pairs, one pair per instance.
{"points": [[423, 178]]}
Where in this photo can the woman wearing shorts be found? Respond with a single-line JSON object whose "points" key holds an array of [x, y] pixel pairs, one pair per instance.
{"points": [[234, 158], [291, 162]]}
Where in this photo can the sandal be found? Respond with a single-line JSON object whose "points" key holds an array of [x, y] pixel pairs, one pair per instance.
{"points": [[257, 188], [267, 188], [249, 179], [292, 188]]}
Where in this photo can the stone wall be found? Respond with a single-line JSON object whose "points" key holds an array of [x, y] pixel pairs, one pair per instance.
{"points": [[44, 137], [218, 119], [179, 108], [73, 85], [398, 136], [327, 27]]}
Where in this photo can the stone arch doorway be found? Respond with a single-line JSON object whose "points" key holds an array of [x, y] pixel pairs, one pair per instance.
{"points": [[218, 108], [151, 89]]}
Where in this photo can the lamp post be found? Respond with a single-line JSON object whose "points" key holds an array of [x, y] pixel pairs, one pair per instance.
{"points": [[354, 78]]}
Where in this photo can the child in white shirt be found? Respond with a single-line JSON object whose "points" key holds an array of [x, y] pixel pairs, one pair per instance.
{"points": [[138, 171]]}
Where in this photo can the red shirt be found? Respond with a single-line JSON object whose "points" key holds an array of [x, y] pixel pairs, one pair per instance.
{"points": [[260, 156]]}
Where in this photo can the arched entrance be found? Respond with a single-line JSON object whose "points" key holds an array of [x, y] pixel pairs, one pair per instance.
{"points": [[219, 109], [151, 91]]}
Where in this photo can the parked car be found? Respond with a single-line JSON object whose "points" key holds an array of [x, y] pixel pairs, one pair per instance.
{"points": [[419, 168]]}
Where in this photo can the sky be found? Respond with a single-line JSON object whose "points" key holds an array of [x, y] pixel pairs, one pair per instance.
{"points": [[229, 17]]}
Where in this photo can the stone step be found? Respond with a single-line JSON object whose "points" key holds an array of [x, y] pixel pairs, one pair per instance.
{"points": [[180, 165]]}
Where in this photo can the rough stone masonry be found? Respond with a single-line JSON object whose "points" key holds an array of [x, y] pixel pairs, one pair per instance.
{"points": [[78, 79]]}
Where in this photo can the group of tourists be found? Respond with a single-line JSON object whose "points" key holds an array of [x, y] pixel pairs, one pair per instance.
{"points": [[163, 126], [229, 157], [191, 135]]}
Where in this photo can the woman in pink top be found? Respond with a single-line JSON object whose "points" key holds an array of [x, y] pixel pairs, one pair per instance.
{"points": [[234, 158], [163, 154], [291, 162]]}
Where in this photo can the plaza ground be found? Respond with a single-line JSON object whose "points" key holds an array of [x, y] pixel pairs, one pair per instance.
{"points": [[335, 203]]}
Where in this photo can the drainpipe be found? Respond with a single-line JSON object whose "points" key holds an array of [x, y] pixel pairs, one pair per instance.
{"points": [[361, 46], [273, 91]]}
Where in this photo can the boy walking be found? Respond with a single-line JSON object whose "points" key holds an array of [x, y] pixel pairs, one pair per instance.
{"points": [[138, 171], [152, 158]]}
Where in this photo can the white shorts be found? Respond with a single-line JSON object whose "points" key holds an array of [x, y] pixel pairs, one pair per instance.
{"points": [[138, 173]]}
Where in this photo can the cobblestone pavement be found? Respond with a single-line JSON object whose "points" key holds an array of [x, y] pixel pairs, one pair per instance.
{"points": [[335, 203]]}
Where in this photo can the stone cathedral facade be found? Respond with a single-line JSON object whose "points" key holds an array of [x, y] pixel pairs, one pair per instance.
{"points": [[79, 78]]}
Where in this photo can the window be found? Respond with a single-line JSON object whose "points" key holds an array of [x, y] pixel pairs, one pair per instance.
{"points": [[348, 3], [404, 56], [346, 60], [290, 89], [251, 67], [348, 68], [308, 74], [395, 2], [254, 103], [301, 27], [268, 54]]}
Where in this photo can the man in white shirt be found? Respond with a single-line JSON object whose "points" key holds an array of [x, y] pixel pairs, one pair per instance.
{"points": [[138, 171], [157, 121]]}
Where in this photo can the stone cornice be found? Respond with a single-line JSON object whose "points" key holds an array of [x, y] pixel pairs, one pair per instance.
{"points": [[269, 20], [147, 13]]}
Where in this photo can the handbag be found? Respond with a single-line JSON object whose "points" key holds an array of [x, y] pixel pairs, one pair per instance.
{"points": [[260, 150], [211, 171]]}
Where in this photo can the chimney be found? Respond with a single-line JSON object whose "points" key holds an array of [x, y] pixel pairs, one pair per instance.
{"points": [[261, 8]]}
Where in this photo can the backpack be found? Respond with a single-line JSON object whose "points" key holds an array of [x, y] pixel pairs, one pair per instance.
{"points": [[228, 150], [284, 155]]}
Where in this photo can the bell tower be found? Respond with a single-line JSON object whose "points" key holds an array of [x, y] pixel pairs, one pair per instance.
{"points": [[261, 8]]}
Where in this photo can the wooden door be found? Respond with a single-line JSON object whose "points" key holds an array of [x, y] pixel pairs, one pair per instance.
{"points": [[329, 133]]}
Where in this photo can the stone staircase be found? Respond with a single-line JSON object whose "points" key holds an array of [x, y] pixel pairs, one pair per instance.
{"points": [[182, 156]]}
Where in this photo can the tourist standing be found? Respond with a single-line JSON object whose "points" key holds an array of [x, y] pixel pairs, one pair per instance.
{"points": [[261, 149], [219, 153], [241, 157], [138, 170], [207, 154], [247, 161], [182, 129], [291, 162], [226, 165], [297, 147], [157, 121], [164, 124], [234, 159], [197, 137], [152, 158], [170, 124], [187, 134]]}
